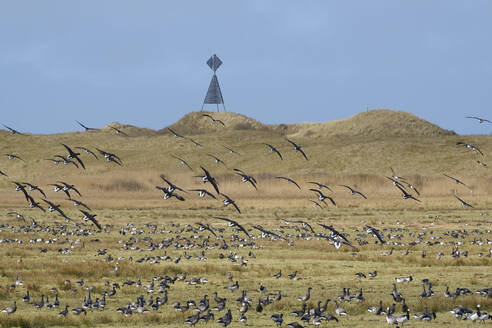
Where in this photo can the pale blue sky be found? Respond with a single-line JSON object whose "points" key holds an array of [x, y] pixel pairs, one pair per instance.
{"points": [[143, 62]]}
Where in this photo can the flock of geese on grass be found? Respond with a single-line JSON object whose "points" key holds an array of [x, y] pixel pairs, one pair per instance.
{"points": [[241, 237]]}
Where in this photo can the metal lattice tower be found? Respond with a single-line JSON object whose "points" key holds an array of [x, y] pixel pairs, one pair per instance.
{"points": [[214, 95]]}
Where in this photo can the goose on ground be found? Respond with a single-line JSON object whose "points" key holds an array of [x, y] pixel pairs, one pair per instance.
{"points": [[306, 297], [10, 309]]}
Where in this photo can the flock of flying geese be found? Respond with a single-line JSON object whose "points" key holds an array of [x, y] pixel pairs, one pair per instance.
{"points": [[286, 232]]}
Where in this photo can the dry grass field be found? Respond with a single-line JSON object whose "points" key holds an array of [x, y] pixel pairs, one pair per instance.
{"points": [[144, 235]]}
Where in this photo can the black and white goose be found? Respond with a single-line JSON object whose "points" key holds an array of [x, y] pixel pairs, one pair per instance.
{"points": [[217, 160], [233, 223], [88, 151], [457, 181], [213, 119], [78, 203], [67, 187], [297, 148], [195, 143], [320, 185], [53, 207], [183, 162], [91, 217], [174, 133], [33, 204], [210, 179], [13, 131], [34, 187], [232, 151], [10, 309], [463, 203], [13, 156], [289, 180], [64, 160], [73, 155], [406, 195], [168, 194], [110, 157], [229, 201], [118, 131], [322, 197], [470, 146], [3, 173], [246, 178], [202, 193], [353, 191], [86, 128], [479, 119], [274, 150]]}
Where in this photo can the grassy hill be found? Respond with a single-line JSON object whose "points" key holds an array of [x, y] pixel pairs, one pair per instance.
{"points": [[359, 150]]}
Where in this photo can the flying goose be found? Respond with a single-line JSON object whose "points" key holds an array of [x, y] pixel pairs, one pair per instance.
{"points": [[394, 176], [202, 193], [289, 180], [304, 224], [246, 178], [322, 197], [13, 131], [320, 185], [266, 232], [172, 187], [229, 201], [233, 223], [195, 143], [353, 191], [73, 155], [168, 194], [20, 187], [67, 187], [54, 207], [375, 233], [65, 161], [78, 203], [91, 217], [232, 151], [58, 187], [457, 181], [34, 204], [3, 173], [480, 120], [274, 150], [88, 151], [213, 119], [85, 127], [316, 204], [13, 156], [183, 162], [469, 146], [118, 131], [463, 203], [175, 134], [298, 148], [110, 157], [406, 195], [217, 160], [208, 178], [34, 187]]}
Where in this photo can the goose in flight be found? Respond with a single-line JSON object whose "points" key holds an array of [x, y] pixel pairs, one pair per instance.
{"points": [[54, 207], [297, 148], [78, 203], [469, 146], [195, 143], [74, 155], [67, 187], [353, 191], [229, 201], [34, 187], [3, 173], [13, 156], [457, 181], [110, 157], [375, 233], [172, 187], [88, 151], [34, 204], [336, 234], [175, 134], [269, 233], [246, 178], [58, 187], [20, 187], [85, 127], [232, 151], [13, 131], [54, 161], [233, 223], [118, 131], [394, 176], [289, 180], [274, 150], [303, 223], [463, 203], [217, 160], [210, 179], [320, 185], [479, 119], [183, 162], [406, 195], [65, 160], [168, 194], [90, 217], [322, 197], [213, 119], [203, 192], [316, 204], [206, 227]]}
